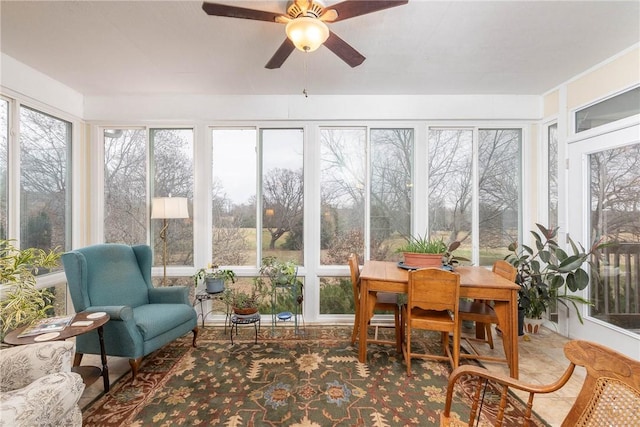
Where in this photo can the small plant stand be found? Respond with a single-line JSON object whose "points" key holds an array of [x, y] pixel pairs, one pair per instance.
{"points": [[214, 298], [244, 319], [289, 294]]}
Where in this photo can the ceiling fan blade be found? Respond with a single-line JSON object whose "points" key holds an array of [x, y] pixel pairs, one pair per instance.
{"points": [[329, 15], [217, 9], [281, 54], [351, 8], [304, 5], [343, 50]]}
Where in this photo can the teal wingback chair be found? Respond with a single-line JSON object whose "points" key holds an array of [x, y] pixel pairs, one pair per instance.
{"points": [[116, 279]]}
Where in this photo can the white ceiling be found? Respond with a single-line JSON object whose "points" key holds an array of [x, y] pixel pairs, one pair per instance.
{"points": [[424, 47]]}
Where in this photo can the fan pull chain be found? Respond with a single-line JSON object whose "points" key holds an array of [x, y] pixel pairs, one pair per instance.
{"points": [[304, 69]]}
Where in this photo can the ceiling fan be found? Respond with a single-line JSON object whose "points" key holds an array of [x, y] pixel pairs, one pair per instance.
{"points": [[306, 28]]}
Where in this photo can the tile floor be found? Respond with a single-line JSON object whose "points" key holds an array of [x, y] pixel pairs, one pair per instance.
{"points": [[542, 361]]}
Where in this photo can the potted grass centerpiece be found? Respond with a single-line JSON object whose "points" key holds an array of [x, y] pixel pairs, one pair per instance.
{"points": [[420, 252]]}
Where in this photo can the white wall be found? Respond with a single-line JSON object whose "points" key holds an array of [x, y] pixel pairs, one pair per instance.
{"points": [[315, 107], [18, 79]]}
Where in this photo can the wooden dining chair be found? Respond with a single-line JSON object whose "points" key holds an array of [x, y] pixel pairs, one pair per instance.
{"points": [[482, 313], [610, 394], [382, 301], [432, 304]]}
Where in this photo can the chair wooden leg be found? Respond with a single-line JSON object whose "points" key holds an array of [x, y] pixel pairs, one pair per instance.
{"points": [[135, 365], [488, 334], [406, 347], [356, 324], [456, 349], [398, 329], [77, 358], [407, 354], [195, 335]]}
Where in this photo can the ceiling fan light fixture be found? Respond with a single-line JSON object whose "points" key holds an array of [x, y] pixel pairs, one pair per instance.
{"points": [[306, 33]]}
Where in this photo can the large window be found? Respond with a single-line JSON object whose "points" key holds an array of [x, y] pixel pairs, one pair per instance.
{"points": [[552, 175], [45, 193], [127, 194], [452, 184], [125, 186], [499, 191], [342, 210], [391, 191], [282, 194], [246, 161], [342, 194], [615, 216], [172, 169], [233, 197], [450, 170], [4, 163]]}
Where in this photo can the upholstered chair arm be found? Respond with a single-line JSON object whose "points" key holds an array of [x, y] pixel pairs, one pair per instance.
{"points": [[49, 400], [115, 312], [21, 365], [169, 295]]}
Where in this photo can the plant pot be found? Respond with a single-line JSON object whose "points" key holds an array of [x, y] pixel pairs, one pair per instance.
{"points": [[415, 259], [214, 286], [521, 312], [532, 326], [245, 311]]}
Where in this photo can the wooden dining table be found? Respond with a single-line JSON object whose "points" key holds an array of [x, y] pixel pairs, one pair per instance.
{"points": [[475, 282]]}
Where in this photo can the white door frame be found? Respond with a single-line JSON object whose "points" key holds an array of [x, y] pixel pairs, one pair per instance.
{"points": [[625, 132]]}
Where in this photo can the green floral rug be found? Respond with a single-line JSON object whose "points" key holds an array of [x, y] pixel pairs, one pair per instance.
{"points": [[288, 379]]}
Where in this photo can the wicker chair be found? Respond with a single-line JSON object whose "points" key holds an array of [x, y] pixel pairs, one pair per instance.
{"points": [[610, 394]]}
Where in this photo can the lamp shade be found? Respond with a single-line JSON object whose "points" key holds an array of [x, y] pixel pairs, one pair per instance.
{"points": [[306, 33], [169, 207]]}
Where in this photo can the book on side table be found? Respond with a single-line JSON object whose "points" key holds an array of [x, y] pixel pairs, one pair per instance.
{"points": [[49, 324]]}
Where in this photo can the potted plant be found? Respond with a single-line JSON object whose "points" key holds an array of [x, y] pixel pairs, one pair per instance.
{"points": [[419, 251], [274, 275], [214, 278], [245, 299], [21, 302], [240, 301], [547, 273]]}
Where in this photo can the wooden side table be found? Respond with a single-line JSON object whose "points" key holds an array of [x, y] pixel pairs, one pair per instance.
{"points": [[89, 374]]}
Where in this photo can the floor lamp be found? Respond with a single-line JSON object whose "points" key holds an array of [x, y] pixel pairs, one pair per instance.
{"points": [[165, 208]]}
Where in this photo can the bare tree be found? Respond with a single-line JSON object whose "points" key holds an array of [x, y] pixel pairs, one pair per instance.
{"points": [[391, 186], [499, 185], [44, 156], [450, 183], [615, 186], [125, 188], [343, 164], [283, 191]]}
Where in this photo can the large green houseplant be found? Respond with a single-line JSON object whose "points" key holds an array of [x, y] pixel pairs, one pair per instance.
{"points": [[21, 302], [546, 273]]}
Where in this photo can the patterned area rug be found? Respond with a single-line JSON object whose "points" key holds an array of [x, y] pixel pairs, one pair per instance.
{"points": [[310, 380]]}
